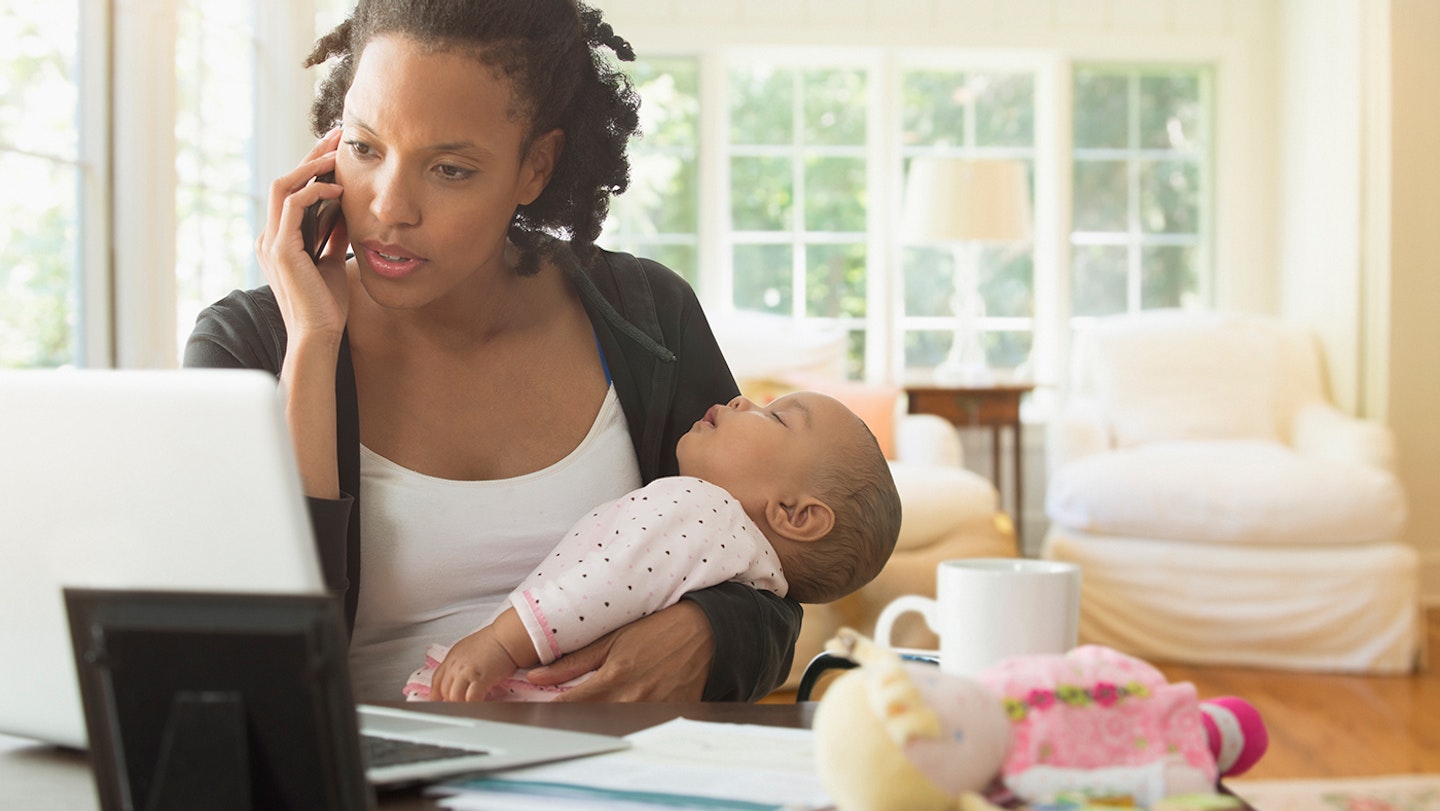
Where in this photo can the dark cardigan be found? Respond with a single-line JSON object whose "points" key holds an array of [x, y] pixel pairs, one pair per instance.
{"points": [[667, 370]]}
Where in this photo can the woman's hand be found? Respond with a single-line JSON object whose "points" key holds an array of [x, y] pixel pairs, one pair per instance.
{"points": [[663, 657], [314, 301]]}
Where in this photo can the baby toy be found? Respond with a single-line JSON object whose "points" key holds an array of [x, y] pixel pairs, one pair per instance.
{"points": [[1093, 726]]}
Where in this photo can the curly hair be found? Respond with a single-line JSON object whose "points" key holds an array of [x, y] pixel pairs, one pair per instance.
{"points": [[551, 51], [858, 486]]}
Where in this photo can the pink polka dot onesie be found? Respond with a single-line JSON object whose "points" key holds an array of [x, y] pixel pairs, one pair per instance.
{"points": [[628, 559]]}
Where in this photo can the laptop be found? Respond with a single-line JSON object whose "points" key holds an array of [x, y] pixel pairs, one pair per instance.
{"points": [[175, 481]]}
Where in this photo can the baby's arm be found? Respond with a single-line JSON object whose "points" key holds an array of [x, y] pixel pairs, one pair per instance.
{"points": [[483, 659]]}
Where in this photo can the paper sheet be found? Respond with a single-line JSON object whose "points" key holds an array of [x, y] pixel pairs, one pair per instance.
{"points": [[678, 764]]}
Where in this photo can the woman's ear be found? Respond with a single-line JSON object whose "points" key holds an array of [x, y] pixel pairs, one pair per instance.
{"points": [[539, 164], [808, 519]]}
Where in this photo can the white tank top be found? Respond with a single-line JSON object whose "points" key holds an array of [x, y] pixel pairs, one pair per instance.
{"points": [[440, 556]]}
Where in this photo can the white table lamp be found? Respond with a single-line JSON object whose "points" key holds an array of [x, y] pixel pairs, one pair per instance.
{"points": [[963, 203]]}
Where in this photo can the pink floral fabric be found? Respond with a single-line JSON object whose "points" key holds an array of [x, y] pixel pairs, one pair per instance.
{"points": [[1096, 708]]}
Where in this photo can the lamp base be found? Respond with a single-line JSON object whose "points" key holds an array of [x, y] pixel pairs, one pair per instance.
{"points": [[963, 373]]}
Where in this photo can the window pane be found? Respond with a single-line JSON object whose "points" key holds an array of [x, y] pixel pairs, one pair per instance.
{"points": [[762, 194], [1170, 277], [926, 347], [1007, 280], [39, 204], [670, 112], [1169, 198], [682, 259], [215, 238], [1170, 111], [1101, 101], [855, 359], [663, 197], [1101, 193], [762, 278], [658, 215], [762, 103], [664, 194], [929, 281], [835, 281], [38, 89], [835, 194], [1005, 110], [39, 254], [1007, 350], [1097, 285], [934, 108], [835, 107]]}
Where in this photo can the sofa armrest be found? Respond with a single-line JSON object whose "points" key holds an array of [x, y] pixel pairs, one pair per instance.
{"points": [[926, 439], [1077, 431], [1323, 431]]}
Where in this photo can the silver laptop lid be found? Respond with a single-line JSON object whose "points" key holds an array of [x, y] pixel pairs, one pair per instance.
{"points": [[162, 480]]}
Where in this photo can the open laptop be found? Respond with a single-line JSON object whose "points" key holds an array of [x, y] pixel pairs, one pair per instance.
{"points": [[174, 481]]}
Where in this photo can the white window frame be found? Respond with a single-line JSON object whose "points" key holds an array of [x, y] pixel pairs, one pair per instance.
{"points": [[130, 313], [719, 298], [884, 359], [96, 345]]}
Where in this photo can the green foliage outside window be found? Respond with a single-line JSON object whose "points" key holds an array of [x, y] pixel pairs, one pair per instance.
{"points": [[1140, 179], [39, 205], [659, 215]]}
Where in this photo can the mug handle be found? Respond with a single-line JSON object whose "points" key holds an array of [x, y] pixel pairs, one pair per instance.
{"points": [[924, 606]]}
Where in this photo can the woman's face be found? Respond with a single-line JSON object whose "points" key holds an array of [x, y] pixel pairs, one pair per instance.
{"points": [[432, 169]]}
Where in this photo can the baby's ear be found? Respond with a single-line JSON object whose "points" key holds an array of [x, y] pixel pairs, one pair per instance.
{"points": [[808, 519]]}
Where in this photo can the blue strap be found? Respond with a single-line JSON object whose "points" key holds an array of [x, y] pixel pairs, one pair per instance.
{"points": [[603, 363]]}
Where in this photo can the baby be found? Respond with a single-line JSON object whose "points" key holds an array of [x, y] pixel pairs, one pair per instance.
{"points": [[793, 497]]}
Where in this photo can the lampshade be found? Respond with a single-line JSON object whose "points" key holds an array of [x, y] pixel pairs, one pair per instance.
{"points": [[952, 200]]}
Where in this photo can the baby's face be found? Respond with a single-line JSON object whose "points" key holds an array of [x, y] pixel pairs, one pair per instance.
{"points": [[770, 452]]}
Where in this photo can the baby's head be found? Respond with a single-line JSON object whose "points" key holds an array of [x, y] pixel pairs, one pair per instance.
{"points": [[811, 475]]}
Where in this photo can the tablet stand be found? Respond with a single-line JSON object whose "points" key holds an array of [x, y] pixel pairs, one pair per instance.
{"points": [[217, 701], [204, 759]]}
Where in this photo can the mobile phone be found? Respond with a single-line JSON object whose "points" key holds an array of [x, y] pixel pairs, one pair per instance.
{"points": [[319, 221]]}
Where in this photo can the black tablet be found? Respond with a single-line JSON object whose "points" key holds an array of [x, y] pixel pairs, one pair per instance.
{"points": [[217, 701]]}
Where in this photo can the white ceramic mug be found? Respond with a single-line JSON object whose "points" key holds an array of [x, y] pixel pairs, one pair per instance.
{"points": [[988, 609]]}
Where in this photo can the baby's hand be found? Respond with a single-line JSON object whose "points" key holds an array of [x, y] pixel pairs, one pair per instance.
{"points": [[473, 666]]}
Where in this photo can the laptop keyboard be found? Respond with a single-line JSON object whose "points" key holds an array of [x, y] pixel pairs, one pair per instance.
{"points": [[396, 752]]}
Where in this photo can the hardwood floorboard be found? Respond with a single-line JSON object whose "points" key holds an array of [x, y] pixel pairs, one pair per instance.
{"points": [[1327, 725]]}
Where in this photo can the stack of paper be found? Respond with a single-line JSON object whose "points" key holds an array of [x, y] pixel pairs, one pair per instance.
{"points": [[680, 764]]}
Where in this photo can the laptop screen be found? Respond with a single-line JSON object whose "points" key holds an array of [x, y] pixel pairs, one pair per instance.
{"points": [[158, 480]]}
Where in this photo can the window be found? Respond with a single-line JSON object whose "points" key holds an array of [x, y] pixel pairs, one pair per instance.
{"points": [[42, 199], [215, 209], [659, 215], [979, 114], [1141, 182], [794, 150], [799, 199]]}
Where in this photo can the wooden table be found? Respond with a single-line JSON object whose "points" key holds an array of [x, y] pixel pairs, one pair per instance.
{"points": [[37, 777], [993, 405]]}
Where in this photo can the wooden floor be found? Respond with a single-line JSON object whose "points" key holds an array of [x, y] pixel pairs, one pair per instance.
{"points": [[1334, 726], [1337, 726]]}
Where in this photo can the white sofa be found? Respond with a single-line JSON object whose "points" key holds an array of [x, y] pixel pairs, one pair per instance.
{"points": [[1222, 509]]}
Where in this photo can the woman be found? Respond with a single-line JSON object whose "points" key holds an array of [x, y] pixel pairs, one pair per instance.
{"points": [[467, 385]]}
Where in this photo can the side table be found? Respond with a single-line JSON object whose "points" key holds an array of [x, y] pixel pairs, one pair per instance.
{"points": [[995, 405]]}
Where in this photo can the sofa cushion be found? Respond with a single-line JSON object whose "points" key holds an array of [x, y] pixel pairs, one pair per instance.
{"points": [[1169, 381], [1226, 492], [935, 499]]}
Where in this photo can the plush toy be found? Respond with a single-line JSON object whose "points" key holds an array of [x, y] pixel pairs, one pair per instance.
{"points": [[1091, 726], [900, 736]]}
